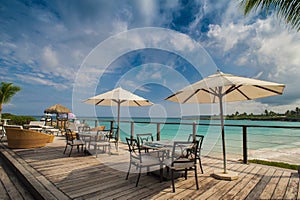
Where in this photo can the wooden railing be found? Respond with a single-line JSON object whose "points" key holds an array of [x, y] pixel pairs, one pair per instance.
{"points": [[194, 130]]}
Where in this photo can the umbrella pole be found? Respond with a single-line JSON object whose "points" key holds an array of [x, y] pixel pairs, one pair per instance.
{"points": [[224, 175], [223, 133], [118, 129]]}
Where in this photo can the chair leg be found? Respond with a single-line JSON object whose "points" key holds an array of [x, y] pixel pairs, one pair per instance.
{"points": [[172, 176], [71, 150], [138, 179], [128, 171], [200, 164], [96, 150], [196, 178], [161, 172], [65, 149]]}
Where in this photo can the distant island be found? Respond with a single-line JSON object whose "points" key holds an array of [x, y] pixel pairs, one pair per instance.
{"points": [[289, 115]]}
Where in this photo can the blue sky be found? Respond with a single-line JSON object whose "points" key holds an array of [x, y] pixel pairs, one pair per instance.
{"points": [[56, 52]]}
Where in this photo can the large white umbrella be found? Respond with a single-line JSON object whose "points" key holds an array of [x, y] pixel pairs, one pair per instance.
{"points": [[219, 88], [118, 97]]}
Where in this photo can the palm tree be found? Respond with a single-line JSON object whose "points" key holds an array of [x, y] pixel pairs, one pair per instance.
{"points": [[289, 10], [7, 91]]}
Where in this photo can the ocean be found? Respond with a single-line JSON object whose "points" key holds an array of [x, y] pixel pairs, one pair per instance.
{"points": [[277, 144]]}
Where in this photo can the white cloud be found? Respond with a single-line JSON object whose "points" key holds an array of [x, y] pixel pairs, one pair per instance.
{"points": [[50, 57], [265, 47], [119, 26], [148, 8], [41, 81]]}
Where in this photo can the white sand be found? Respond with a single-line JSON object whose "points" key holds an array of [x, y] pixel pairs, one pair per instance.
{"points": [[288, 155]]}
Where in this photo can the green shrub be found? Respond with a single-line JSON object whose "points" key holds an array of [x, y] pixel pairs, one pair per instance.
{"points": [[275, 164], [17, 120]]}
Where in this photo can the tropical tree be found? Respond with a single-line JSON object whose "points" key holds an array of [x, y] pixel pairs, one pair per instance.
{"points": [[7, 91], [289, 10]]}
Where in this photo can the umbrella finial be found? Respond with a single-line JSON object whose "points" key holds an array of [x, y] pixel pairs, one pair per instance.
{"points": [[219, 71]]}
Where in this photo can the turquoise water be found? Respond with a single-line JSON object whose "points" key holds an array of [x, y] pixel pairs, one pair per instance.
{"points": [[258, 137]]}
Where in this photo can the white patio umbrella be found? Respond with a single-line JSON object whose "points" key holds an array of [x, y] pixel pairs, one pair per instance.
{"points": [[219, 88], [118, 97]]}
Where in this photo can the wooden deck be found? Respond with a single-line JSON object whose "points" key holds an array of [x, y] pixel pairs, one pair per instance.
{"points": [[53, 175]]}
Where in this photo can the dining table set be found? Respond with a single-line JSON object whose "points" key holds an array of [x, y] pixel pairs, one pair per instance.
{"points": [[96, 139], [166, 159]]}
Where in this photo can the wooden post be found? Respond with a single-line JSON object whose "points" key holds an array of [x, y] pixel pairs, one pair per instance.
{"points": [[111, 125], [96, 123], [194, 130], [132, 130], [245, 151], [158, 131]]}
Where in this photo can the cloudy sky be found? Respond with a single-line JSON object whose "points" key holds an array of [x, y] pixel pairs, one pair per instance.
{"points": [[66, 51]]}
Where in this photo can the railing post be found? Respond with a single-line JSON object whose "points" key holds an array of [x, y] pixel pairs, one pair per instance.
{"points": [[158, 131], [111, 125], [194, 130], [132, 130], [96, 123], [245, 151]]}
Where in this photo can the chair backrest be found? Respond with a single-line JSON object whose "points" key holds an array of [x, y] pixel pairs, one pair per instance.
{"points": [[98, 128], [144, 137], [112, 134], [71, 136], [101, 136], [198, 138], [134, 149], [84, 129], [184, 152]]}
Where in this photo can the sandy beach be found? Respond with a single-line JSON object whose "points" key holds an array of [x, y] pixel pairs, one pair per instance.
{"points": [[288, 155]]}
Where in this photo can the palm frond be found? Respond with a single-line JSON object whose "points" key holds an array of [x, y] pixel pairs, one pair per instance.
{"points": [[288, 10]]}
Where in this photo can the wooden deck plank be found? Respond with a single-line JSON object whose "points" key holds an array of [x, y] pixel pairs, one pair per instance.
{"points": [[291, 191], [255, 178], [189, 192], [269, 189], [8, 186], [169, 194], [241, 183], [3, 193], [260, 186], [36, 184], [281, 185], [188, 188], [222, 187], [43, 181]]}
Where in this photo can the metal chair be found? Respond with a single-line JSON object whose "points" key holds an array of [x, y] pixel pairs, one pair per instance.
{"points": [[183, 158], [73, 139], [100, 140], [200, 139], [144, 160], [112, 136]]}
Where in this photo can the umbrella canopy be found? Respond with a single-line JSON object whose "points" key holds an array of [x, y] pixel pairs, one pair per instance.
{"points": [[71, 116], [220, 87], [118, 97], [229, 87], [56, 109]]}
